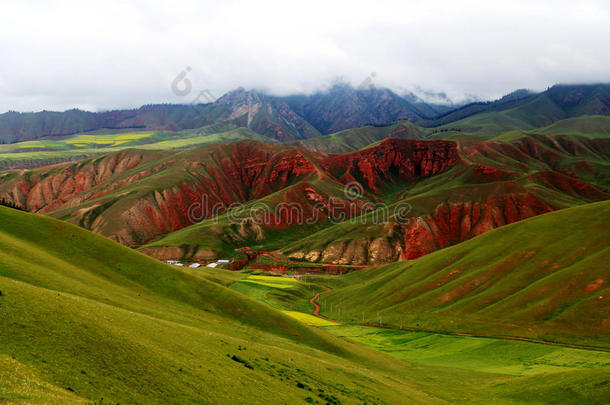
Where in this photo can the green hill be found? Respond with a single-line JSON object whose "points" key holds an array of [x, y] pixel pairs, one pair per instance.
{"points": [[545, 277], [586, 125], [83, 318], [528, 113], [353, 139]]}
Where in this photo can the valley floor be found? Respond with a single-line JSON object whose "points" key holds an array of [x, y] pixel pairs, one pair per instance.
{"points": [[455, 367]]}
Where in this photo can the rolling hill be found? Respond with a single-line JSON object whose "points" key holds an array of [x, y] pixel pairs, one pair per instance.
{"points": [[494, 183], [544, 277], [84, 319], [530, 111], [586, 125], [353, 139]]}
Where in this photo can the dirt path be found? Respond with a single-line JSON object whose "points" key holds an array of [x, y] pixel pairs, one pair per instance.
{"points": [[316, 312]]}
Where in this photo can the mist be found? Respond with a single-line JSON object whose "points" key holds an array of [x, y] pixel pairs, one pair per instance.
{"points": [[115, 54]]}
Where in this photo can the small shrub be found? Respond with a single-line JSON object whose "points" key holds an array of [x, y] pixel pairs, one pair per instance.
{"points": [[242, 361], [330, 399]]}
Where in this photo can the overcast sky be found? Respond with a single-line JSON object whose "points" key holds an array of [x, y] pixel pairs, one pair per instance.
{"points": [[118, 54]]}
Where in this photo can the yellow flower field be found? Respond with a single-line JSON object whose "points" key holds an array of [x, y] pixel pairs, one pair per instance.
{"points": [[309, 319]]}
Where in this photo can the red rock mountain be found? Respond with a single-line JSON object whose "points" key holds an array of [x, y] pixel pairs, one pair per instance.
{"points": [[456, 190]]}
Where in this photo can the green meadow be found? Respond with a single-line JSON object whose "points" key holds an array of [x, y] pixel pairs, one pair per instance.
{"points": [[85, 320], [466, 369]]}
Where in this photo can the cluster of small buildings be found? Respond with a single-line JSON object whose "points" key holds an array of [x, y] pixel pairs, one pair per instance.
{"points": [[197, 265]]}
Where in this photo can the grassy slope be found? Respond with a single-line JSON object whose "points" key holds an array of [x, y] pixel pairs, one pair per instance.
{"points": [[540, 111], [544, 277], [587, 125], [466, 369], [353, 139], [84, 313], [538, 373]]}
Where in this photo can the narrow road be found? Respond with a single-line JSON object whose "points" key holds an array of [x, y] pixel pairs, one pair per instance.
{"points": [[316, 312]]}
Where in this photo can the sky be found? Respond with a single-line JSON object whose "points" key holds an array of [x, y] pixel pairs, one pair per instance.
{"points": [[57, 55]]}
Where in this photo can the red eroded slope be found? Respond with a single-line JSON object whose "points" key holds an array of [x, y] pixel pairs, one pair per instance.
{"points": [[137, 196], [452, 223], [56, 187], [401, 158]]}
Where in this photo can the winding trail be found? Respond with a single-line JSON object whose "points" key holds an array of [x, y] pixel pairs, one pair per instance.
{"points": [[316, 312]]}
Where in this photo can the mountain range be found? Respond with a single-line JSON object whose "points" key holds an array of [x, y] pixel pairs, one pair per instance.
{"points": [[298, 117]]}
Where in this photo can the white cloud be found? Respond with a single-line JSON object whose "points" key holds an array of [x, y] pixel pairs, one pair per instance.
{"points": [[117, 54]]}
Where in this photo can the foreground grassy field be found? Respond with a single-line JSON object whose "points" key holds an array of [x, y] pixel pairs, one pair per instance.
{"points": [[83, 318]]}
